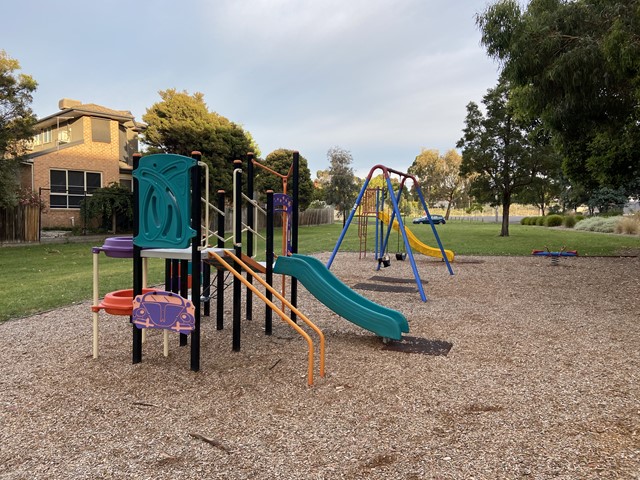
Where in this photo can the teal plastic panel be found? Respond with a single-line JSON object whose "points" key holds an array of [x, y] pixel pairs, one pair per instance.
{"points": [[164, 193]]}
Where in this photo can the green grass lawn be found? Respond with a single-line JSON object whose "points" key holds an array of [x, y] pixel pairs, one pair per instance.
{"points": [[43, 277]]}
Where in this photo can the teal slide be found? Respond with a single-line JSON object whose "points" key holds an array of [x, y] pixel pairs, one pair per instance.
{"points": [[329, 290]]}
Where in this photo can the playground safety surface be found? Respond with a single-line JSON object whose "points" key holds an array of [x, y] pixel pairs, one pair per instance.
{"points": [[419, 345]]}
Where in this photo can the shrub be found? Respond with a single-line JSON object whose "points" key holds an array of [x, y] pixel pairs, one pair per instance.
{"points": [[628, 225], [539, 221], [525, 221], [553, 220], [569, 221], [598, 224]]}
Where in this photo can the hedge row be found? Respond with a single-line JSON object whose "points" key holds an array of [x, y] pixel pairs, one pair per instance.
{"points": [[567, 221]]}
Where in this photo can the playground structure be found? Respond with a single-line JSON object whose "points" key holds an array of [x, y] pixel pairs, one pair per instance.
{"points": [[555, 256], [168, 214], [370, 203]]}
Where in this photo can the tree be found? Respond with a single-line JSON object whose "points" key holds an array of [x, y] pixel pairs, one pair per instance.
{"points": [[342, 187], [549, 182], [16, 124], [439, 175], [280, 161], [499, 149], [575, 64], [182, 123], [427, 168], [109, 204]]}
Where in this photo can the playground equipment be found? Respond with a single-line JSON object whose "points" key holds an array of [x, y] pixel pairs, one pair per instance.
{"points": [[330, 291], [395, 218], [555, 256], [167, 225]]}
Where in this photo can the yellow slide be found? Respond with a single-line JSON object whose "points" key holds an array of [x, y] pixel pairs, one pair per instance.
{"points": [[415, 243]]}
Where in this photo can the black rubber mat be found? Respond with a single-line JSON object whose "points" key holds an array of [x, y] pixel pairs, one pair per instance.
{"points": [[419, 345], [380, 278], [377, 287]]}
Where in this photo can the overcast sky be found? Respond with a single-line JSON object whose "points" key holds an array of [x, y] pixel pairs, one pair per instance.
{"points": [[380, 78]]}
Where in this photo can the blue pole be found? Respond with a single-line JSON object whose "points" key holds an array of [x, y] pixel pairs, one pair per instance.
{"points": [[406, 243], [433, 228]]}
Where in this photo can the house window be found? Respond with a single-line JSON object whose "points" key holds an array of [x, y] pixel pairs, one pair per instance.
{"points": [[69, 187], [101, 130], [127, 183], [46, 135]]}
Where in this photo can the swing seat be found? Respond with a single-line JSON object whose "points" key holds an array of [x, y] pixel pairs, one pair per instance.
{"points": [[384, 260], [400, 256]]}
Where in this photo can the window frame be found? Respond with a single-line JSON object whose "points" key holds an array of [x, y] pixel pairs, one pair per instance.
{"points": [[68, 197]]}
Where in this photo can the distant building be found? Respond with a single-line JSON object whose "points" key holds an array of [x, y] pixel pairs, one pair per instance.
{"points": [[75, 151]]}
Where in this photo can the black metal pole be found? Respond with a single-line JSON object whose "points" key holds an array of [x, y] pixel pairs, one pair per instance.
{"points": [[237, 240], [294, 226], [137, 264], [183, 277], [220, 271], [251, 225], [268, 317], [196, 259]]}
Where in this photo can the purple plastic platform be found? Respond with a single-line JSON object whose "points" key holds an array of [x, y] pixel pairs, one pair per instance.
{"points": [[116, 247]]}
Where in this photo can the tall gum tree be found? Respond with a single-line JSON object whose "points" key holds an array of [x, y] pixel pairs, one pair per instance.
{"points": [[575, 64], [497, 147]]}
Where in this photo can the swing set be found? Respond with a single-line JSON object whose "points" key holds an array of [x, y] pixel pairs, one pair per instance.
{"points": [[370, 202]]}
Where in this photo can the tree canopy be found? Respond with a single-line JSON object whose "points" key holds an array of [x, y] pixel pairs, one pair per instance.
{"points": [[280, 161], [16, 124], [342, 187], [575, 64], [501, 148], [439, 175], [182, 123]]}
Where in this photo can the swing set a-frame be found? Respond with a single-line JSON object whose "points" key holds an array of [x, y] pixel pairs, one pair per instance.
{"points": [[394, 220]]}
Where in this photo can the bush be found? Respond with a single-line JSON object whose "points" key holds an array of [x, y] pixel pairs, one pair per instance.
{"points": [[524, 221], [628, 225], [598, 224], [539, 221], [553, 221], [569, 221]]}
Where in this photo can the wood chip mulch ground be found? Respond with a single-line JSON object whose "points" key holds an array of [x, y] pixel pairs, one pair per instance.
{"points": [[541, 381]]}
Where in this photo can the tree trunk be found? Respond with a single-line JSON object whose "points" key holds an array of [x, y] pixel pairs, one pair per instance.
{"points": [[506, 204]]}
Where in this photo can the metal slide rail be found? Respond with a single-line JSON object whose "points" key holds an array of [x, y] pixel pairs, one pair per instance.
{"points": [[275, 308]]}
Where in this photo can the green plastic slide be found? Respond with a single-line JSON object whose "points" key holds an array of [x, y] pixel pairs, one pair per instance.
{"points": [[330, 290]]}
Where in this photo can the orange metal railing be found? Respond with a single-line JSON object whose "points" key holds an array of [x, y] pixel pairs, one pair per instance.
{"points": [[275, 308]]}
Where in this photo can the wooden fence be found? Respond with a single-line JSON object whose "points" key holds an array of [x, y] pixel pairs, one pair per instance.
{"points": [[311, 216], [19, 224]]}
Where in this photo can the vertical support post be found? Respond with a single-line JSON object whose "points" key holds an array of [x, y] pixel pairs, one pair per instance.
{"points": [[237, 240], [406, 241], [184, 291], [220, 272], [295, 216], [137, 264], [433, 228], [206, 287], [196, 259], [250, 234], [95, 299], [268, 318]]}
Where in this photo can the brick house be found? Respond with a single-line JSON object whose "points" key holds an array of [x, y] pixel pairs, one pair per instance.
{"points": [[76, 150]]}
